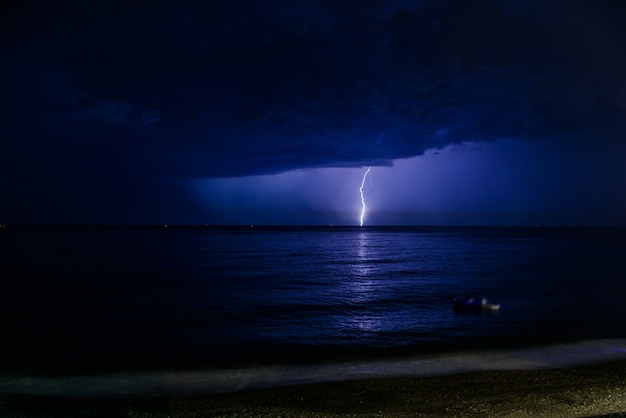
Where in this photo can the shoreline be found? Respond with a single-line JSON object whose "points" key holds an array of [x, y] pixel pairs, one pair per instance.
{"points": [[594, 390]]}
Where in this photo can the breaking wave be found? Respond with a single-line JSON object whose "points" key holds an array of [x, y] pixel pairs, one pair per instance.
{"points": [[202, 382]]}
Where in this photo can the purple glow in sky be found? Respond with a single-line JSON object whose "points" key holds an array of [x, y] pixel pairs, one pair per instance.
{"points": [[469, 112], [503, 183]]}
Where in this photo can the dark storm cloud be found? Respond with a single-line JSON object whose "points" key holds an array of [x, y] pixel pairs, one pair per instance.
{"points": [[214, 89]]}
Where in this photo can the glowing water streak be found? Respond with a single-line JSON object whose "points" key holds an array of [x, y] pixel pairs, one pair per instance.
{"points": [[361, 191]]}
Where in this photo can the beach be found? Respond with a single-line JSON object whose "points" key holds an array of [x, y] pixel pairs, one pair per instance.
{"points": [[313, 322], [590, 391]]}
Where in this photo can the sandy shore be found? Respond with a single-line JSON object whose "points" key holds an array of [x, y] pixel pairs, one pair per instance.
{"points": [[592, 391]]}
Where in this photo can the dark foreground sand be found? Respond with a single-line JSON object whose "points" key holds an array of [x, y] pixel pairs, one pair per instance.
{"points": [[578, 392]]}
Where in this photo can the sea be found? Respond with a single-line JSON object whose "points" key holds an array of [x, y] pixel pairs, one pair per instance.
{"points": [[193, 310]]}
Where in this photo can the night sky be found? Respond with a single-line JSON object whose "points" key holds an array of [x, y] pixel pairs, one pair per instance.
{"points": [[470, 112]]}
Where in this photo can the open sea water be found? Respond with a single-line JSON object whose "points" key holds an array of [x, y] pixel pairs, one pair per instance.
{"points": [[191, 310]]}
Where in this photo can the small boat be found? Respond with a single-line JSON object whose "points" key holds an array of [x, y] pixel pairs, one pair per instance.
{"points": [[474, 305]]}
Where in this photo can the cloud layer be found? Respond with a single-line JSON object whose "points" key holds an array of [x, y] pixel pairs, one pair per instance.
{"points": [[246, 87], [109, 107]]}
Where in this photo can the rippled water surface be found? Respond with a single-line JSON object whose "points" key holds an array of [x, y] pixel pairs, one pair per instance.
{"points": [[103, 300]]}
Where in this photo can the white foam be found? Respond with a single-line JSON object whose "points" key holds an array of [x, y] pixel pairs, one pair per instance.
{"points": [[178, 383]]}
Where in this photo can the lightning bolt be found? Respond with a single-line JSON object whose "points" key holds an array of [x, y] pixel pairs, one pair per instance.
{"points": [[361, 191]]}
